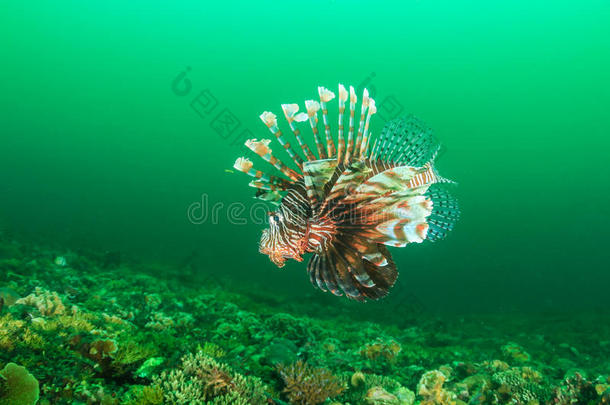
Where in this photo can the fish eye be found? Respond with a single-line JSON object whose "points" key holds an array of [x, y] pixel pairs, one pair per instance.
{"points": [[273, 217]]}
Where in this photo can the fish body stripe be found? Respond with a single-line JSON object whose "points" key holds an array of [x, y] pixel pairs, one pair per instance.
{"points": [[424, 178]]}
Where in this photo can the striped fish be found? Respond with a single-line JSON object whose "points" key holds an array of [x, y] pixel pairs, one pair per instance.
{"points": [[349, 203]]}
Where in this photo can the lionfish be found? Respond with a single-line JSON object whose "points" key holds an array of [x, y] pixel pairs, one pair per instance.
{"points": [[352, 200]]}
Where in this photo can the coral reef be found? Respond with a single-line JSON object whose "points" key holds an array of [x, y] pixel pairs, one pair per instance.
{"points": [[93, 333], [430, 389], [202, 380]]}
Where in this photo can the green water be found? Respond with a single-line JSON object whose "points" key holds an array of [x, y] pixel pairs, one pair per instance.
{"points": [[98, 151]]}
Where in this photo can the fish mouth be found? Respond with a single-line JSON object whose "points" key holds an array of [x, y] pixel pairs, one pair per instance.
{"points": [[279, 259]]}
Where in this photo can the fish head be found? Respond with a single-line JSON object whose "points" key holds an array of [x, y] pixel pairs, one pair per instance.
{"points": [[282, 240]]}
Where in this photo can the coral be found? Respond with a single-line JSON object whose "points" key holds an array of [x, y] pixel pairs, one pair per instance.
{"points": [[147, 368], [159, 321], [387, 350], [147, 395], [514, 352], [202, 380], [519, 386], [405, 396], [17, 386], [357, 380], [117, 336], [430, 388], [48, 303], [212, 350], [77, 322], [100, 350], [130, 353], [604, 397], [305, 385], [368, 387], [152, 301], [575, 389], [280, 351], [8, 297], [10, 329], [289, 327], [379, 396]]}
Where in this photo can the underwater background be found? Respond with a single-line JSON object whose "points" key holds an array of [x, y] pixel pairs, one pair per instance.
{"points": [[115, 198]]}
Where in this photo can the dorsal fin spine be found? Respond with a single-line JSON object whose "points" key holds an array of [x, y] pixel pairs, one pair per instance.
{"points": [[312, 112], [290, 112], [271, 121], [373, 155], [363, 108], [245, 165], [340, 139], [365, 138], [325, 96], [262, 149], [350, 135], [275, 183]]}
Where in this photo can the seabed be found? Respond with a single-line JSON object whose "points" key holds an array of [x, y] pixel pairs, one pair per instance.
{"points": [[89, 328]]}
